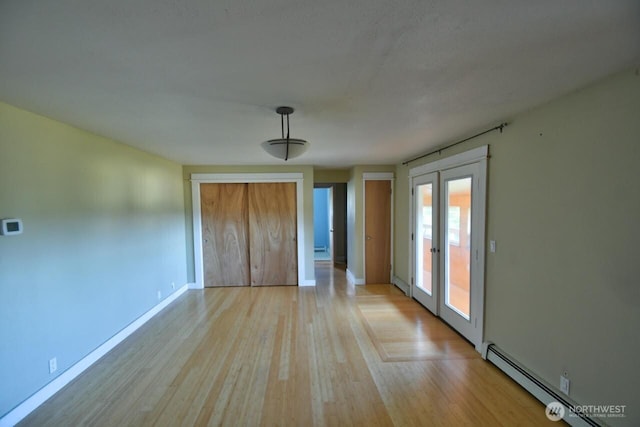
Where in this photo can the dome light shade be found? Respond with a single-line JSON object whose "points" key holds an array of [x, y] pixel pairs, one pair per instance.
{"points": [[285, 148]]}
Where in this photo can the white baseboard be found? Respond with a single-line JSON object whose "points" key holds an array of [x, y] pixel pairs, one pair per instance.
{"points": [[25, 408], [307, 283], [402, 285], [351, 278], [538, 388], [194, 286]]}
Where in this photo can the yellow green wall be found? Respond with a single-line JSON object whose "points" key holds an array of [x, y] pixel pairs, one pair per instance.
{"points": [[103, 234], [563, 289], [321, 175]]}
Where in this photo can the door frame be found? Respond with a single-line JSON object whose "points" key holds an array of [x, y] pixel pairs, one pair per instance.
{"points": [[331, 188], [376, 176], [244, 178], [477, 156], [431, 302]]}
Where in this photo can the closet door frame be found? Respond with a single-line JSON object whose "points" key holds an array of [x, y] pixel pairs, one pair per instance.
{"points": [[243, 178]]}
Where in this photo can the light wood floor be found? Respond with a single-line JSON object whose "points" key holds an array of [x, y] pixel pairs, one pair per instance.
{"points": [[333, 355]]}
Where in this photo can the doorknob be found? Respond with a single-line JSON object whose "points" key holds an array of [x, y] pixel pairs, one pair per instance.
{"points": [[368, 237]]}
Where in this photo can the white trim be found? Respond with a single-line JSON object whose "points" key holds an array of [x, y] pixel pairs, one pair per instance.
{"points": [[241, 178], [307, 283], [527, 380], [198, 264], [25, 408], [352, 279], [402, 285], [377, 176], [471, 156]]}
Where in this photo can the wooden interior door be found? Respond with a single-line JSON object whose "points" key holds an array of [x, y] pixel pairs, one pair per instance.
{"points": [[377, 230], [272, 232], [225, 237]]}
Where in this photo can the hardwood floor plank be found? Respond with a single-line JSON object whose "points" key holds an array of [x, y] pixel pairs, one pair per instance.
{"points": [[287, 356]]}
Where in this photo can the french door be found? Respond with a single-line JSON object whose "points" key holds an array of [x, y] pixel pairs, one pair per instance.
{"points": [[448, 245], [425, 237]]}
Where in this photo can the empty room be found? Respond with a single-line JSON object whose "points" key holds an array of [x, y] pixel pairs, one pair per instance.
{"points": [[297, 213]]}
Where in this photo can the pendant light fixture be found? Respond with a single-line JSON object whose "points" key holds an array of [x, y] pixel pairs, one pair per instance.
{"points": [[285, 148]]}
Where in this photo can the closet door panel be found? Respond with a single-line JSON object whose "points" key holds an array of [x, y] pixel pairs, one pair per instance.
{"points": [[272, 233], [225, 235]]}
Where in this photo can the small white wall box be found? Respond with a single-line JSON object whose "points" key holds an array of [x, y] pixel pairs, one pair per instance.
{"points": [[11, 226]]}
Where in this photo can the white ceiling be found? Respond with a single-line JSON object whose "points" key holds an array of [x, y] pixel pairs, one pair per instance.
{"points": [[372, 81]]}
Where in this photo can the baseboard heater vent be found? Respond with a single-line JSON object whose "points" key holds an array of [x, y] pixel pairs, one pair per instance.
{"points": [[534, 385]]}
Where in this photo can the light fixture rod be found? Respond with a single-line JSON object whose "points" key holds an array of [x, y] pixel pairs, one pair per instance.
{"points": [[286, 156]]}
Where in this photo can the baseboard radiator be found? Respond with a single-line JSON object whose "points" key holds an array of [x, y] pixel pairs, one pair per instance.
{"points": [[535, 385]]}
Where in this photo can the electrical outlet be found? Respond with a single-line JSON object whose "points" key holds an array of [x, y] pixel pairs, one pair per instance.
{"points": [[53, 365], [564, 384], [159, 294]]}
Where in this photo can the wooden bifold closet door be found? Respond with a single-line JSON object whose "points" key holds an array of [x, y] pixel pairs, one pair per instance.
{"points": [[249, 234]]}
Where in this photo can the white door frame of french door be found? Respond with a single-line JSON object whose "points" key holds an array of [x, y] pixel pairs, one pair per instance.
{"points": [[242, 178], [376, 176], [478, 157], [429, 301]]}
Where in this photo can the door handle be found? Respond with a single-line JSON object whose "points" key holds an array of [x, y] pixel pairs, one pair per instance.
{"points": [[368, 237]]}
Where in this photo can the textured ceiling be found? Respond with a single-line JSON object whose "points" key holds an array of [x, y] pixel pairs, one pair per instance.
{"points": [[372, 81]]}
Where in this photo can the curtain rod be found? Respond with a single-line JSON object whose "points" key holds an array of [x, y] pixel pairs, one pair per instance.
{"points": [[500, 127]]}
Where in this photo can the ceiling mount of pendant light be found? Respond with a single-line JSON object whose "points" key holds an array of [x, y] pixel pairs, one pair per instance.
{"points": [[285, 148]]}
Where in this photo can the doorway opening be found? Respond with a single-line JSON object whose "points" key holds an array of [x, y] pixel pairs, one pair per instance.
{"points": [[330, 223], [322, 219]]}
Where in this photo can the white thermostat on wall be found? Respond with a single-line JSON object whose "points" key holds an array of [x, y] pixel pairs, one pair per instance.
{"points": [[11, 226]]}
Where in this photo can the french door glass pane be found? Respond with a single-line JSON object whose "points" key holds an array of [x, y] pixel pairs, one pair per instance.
{"points": [[424, 234], [458, 245]]}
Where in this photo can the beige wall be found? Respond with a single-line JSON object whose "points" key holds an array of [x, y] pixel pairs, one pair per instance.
{"points": [[563, 288], [307, 172]]}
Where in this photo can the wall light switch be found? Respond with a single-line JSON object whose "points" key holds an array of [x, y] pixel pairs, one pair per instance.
{"points": [[564, 384], [492, 245]]}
